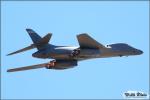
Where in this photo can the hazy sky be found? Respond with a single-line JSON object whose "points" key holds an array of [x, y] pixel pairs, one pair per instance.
{"points": [[107, 22]]}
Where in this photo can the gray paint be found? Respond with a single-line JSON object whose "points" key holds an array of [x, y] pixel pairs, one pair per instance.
{"points": [[67, 56]]}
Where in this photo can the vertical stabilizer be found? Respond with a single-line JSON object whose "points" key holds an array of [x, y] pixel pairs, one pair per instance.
{"points": [[34, 36], [38, 41]]}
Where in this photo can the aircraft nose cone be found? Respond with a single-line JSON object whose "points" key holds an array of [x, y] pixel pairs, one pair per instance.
{"points": [[140, 52]]}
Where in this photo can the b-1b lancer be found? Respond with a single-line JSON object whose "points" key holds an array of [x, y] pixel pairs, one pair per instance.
{"points": [[67, 56]]}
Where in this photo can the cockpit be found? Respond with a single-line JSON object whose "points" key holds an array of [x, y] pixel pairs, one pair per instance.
{"points": [[124, 47]]}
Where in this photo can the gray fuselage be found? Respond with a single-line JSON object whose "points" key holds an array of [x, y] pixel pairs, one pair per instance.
{"points": [[63, 52]]}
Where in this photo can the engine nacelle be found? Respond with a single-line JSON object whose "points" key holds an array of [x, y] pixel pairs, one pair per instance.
{"points": [[61, 64], [75, 52]]}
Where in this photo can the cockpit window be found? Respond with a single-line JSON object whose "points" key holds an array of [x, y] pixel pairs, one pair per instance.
{"points": [[108, 46]]}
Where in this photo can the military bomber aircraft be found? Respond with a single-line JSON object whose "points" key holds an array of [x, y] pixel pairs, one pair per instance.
{"points": [[68, 56]]}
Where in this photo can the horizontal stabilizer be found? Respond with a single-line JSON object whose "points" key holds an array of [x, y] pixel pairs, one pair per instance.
{"points": [[27, 67], [45, 39], [22, 50], [85, 41]]}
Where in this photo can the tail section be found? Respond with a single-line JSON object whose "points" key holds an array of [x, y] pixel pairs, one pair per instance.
{"points": [[38, 42], [45, 39], [34, 36]]}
